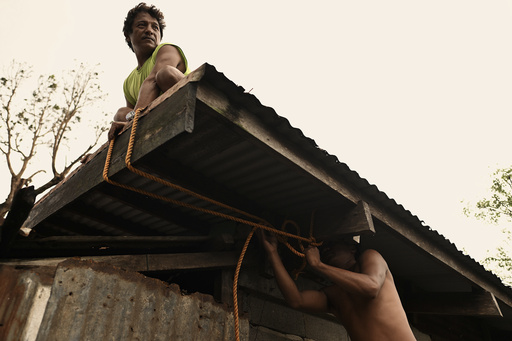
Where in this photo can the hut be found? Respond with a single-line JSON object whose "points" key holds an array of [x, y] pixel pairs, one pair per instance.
{"points": [[143, 242]]}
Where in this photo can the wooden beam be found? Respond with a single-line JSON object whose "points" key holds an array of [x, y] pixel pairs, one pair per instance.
{"points": [[458, 304], [117, 242], [358, 221], [186, 261], [147, 262], [22, 203]]}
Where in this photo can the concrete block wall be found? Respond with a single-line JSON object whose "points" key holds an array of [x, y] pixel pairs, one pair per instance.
{"points": [[274, 321]]}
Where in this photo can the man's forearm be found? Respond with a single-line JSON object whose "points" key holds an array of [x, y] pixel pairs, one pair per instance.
{"points": [[285, 283], [148, 92]]}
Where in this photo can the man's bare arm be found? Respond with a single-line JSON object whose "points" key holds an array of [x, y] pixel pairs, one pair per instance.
{"points": [[168, 70], [308, 300], [367, 283], [119, 120]]}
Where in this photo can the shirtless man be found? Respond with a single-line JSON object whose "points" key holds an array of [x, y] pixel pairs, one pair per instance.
{"points": [[159, 65], [363, 296]]}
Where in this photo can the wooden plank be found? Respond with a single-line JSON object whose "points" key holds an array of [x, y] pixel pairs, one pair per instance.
{"points": [[22, 203], [128, 262], [357, 221], [224, 287], [147, 262], [457, 304], [184, 261], [176, 114], [123, 242]]}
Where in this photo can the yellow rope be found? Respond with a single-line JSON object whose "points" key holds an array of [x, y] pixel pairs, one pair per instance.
{"points": [[258, 223]]}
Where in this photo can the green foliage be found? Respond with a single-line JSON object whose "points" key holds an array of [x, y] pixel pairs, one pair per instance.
{"points": [[500, 261], [499, 205], [498, 209]]}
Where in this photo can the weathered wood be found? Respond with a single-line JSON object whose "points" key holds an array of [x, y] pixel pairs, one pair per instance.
{"points": [[456, 303], [128, 262], [224, 287], [123, 242], [358, 221], [150, 262], [185, 261], [175, 114], [22, 203]]}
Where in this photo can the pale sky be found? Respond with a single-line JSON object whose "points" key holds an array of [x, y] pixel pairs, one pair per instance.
{"points": [[415, 96]]}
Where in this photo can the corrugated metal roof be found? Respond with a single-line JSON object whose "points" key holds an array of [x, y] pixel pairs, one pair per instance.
{"points": [[220, 159], [331, 162]]}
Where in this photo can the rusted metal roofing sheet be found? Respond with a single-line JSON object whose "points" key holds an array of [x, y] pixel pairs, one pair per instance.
{"points": [[23, 298], [95, 301]]}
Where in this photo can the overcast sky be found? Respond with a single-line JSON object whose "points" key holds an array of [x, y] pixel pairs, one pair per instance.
{"points": [[415, 96]]}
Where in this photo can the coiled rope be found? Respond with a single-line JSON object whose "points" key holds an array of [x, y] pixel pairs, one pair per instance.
{"points": [[256, 222]]}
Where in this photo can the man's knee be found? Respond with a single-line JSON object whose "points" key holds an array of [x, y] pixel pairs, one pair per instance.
{"points": [[167, 77]]}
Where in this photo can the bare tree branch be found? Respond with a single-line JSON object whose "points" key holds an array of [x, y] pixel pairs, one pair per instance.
{"points": [[45, 120]]}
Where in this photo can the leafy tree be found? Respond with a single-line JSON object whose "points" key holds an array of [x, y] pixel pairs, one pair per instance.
{"points": [[43, 121], [496, 209]]}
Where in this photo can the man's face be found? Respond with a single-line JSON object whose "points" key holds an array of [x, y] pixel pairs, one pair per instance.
{"points": [[338, 254], [145, 36]]}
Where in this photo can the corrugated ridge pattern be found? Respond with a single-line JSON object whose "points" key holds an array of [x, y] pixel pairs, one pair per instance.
{"points": [[93, 301], [248, 101]]}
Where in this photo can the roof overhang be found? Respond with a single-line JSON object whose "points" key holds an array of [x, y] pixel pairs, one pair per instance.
{"points": [[210, 136]]}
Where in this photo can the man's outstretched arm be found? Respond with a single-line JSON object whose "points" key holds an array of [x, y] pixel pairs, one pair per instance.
{"points": [[308, 300], [367, 282]]}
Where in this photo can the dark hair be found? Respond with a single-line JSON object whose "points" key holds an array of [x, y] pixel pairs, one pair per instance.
{"points": [[130, 17], [347, 242]]}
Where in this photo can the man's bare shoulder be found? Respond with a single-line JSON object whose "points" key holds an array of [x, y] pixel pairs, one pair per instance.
{"points": [[168, 48], [169, 54], [371, 262], [371, 255]]}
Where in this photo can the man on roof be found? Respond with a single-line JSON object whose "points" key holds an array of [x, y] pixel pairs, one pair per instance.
{"points": [[159, 65], [363, 296]]}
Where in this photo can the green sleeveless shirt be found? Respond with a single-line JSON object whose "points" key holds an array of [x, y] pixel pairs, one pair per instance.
{"points": [[134, 81]]}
